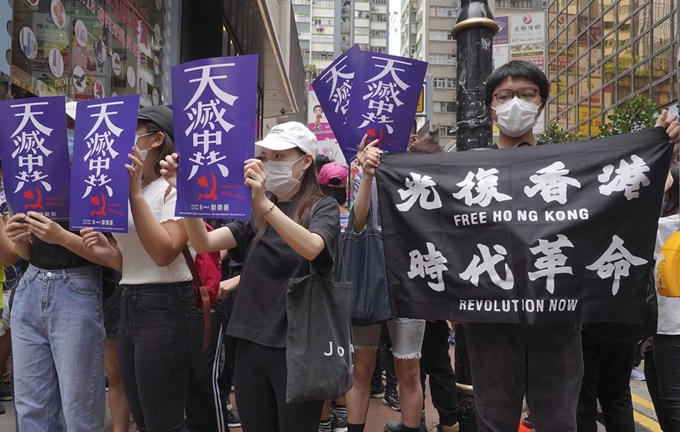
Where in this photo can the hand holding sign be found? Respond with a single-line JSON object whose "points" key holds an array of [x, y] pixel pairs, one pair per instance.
{"points": [[44, 228], [256, 178], [96, 243], [169, 169], [369, 157], [17, 230], [135, 168], [670, 123]]}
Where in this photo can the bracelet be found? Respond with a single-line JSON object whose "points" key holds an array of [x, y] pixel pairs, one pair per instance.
{"points": [[270, 210]]}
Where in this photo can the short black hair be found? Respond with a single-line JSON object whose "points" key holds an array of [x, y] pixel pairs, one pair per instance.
{"points": [[517, 69]]}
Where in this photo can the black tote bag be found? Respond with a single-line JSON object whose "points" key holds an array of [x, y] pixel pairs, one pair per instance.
{"points": [[362, 262], [318, 345]]}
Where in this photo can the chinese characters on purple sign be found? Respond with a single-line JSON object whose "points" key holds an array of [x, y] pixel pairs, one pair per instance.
{"points": [[104, 136], [214, 113], [371, 93], [35, 155]]}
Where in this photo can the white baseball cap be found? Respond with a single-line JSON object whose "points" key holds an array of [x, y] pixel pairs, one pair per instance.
{"points": [[286, 136], [71, 109]]}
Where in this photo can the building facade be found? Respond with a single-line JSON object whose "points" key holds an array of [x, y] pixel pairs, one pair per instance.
{"points": [[602, 53], [426, 35], [86, 49], [326, 28]]}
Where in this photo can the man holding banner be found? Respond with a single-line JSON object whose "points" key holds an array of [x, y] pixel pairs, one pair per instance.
{"points": [[525, 247]]}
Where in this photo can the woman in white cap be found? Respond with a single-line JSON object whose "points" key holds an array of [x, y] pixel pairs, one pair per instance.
{"points": [[297, 226], [156, 296]]}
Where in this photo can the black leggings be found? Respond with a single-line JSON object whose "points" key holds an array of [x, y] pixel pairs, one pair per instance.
{"points": [[260, 377]]}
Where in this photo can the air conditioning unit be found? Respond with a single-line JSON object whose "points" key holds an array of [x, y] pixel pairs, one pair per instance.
{"points": [[544, 4]]}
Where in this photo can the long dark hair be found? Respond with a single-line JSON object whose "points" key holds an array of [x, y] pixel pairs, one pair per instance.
{"points": [[309, 193], [671, 196]]}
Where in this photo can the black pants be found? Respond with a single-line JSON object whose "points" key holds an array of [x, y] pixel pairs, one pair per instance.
{"points": [[261, 377], [206, 407], [230, 343], [667, 362], [652, 380], [384, 355], [436, 363], [606, 377], [154, 352]]}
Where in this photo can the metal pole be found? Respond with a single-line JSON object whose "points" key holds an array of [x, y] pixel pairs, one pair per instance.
{"points": [[474, 31], [429, 97]]}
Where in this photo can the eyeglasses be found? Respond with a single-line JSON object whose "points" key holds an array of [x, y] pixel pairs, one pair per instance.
{"points": [[527, 94]]}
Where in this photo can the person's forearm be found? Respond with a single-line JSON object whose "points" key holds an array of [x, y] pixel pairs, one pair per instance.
{"points": [[362, 203], [307, 244], [23, 250], [157, 242], [74, 243]]}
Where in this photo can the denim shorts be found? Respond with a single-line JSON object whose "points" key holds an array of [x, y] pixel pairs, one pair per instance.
{"points": [[406, 334], [112, 313]]}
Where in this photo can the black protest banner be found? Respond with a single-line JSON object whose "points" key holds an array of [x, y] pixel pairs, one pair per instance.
{"points": [[543, 235]]}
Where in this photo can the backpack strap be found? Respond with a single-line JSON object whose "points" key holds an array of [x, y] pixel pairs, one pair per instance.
{"points": [[205, 298]]}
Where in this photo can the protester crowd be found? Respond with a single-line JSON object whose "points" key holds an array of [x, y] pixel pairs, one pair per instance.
{"points": [[88, 310]]}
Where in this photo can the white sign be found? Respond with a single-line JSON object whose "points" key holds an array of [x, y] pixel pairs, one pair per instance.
{"points": [[527, 28]]}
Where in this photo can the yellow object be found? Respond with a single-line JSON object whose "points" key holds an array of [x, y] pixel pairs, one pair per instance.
{"points": [[668, 269]]}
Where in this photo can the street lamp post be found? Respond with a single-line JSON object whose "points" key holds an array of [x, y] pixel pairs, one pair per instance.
{"points": [[474, 31]]}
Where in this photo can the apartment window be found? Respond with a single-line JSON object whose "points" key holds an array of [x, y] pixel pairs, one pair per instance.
{"points": [[380, 2], [440, 35], [378, 17], [302, 17], [375, 49], [442, 59], [303, 35], [446, 130], [322, 38], [442, 11], [323, 21], [444, 107], [361, 30], [378, 33], [301, 2], [514, 4], [362, 14], [445, 83], [322, 55], [324, 4]]}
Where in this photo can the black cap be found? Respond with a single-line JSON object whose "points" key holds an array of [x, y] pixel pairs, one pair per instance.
{"points": [[161, 116]]}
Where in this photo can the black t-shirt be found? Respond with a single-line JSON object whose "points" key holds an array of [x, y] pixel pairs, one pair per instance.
{"points": [[50, 256], [260, 307]]}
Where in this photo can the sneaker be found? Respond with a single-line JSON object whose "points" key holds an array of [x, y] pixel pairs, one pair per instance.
{"points": [[397, 426], [339, 424], [526, 421], [232, 420], [325, 426], [5, 392], [378, 392], [637, 375], [391, 399]]}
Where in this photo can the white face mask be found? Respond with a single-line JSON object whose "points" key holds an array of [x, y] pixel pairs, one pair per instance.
{"points": [[143, 152], [516, 117], [280, 179]]}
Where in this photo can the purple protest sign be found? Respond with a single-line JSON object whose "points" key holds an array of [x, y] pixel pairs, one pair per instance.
{"points": [[502, 37], [384, 99], [333, 89], [104, 136], [35, 155], [213, 110]]}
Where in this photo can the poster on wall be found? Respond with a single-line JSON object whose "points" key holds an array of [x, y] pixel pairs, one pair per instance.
{"points": [[527, 28], [90, 49], [318, 123]]}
